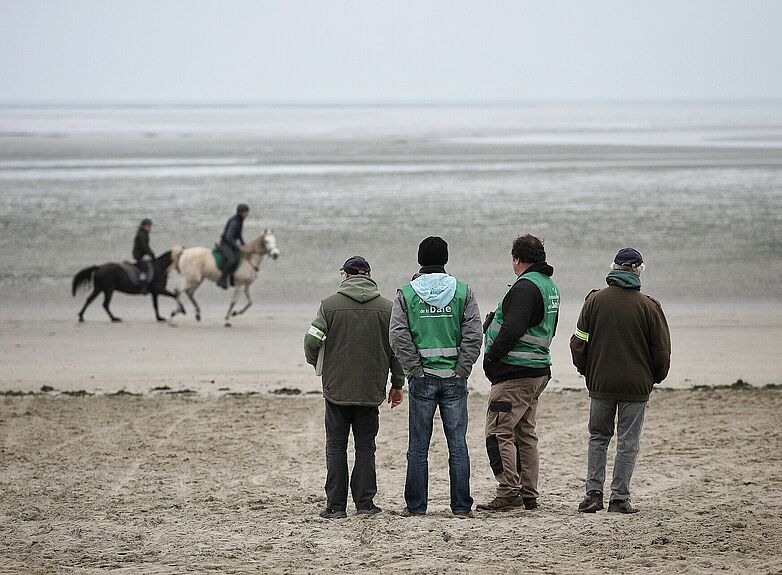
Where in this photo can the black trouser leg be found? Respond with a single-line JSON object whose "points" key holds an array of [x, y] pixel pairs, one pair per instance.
{"points": [[337, 430], [363, 480]]}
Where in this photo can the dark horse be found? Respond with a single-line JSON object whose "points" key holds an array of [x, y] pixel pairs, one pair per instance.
{"points": [[111, 277]]}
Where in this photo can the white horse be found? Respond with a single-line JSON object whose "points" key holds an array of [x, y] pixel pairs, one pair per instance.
{"points": [[198, 263]]}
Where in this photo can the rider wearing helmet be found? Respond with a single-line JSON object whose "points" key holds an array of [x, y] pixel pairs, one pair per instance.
{"points": [[231, 242], [141, 250]]}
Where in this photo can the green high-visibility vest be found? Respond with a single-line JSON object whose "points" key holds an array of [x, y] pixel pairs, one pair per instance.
{"points": [[437, 332], [533, 348]]}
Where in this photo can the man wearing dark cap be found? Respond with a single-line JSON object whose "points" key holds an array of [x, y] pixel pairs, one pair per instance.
{"points": [[348, 345], [623, 347], [142, 253], [232, 242], [517, 361], [436, 334]]}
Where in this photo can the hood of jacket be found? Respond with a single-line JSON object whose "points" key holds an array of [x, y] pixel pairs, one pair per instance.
{"points": [[359, 288], [436, 289], [624, 279]]}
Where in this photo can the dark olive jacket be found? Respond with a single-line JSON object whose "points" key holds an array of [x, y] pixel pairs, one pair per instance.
{"points": [[622, 344], [352, 326]]}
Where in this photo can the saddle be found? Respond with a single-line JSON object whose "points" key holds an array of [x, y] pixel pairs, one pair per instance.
{"points": [[134, 273], [217, 253]]}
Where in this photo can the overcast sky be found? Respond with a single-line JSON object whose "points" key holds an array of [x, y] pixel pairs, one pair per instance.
{"points": [[336, 51]]}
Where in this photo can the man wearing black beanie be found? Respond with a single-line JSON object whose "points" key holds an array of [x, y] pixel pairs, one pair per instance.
{"points": [[435, 333]]}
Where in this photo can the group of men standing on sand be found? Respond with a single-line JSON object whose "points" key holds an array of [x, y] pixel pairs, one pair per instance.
{"points": [[432, 333]]}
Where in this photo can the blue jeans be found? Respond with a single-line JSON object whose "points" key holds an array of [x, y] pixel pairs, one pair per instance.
{"points": [[426, 394]]}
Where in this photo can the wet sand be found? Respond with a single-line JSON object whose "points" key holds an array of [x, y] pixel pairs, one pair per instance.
{"points": [[712, 345], [167, 484]]}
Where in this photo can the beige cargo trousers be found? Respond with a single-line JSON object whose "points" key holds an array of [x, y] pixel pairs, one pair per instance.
{"points": [[511, 442]]}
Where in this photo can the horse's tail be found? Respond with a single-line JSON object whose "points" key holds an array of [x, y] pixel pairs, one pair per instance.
{"points": [[176, 253], [84, 276]]}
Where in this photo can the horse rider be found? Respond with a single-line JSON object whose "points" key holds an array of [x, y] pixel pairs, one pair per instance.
{"points": [[141, 250], [232, 242]]}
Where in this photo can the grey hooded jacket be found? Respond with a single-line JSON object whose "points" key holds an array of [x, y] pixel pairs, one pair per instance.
{"points": [[406, 351]]}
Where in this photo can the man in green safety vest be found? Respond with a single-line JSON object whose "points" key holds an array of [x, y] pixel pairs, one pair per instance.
{"points": [[517, 361], [435, 333]]}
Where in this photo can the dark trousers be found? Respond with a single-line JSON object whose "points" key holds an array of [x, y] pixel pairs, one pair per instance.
{"points": [[363, 480], [230, 255]]}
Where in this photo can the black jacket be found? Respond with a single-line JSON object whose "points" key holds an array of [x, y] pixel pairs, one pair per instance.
{"points": [[232, 234], [522, 308], [141, 246]]}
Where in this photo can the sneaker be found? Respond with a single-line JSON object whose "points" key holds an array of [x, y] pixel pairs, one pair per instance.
{"points": [[407, 513], [530, 503], [621, 506], [371, 510], [464, 514], [330, 513], [502, 504], [592, 503]]}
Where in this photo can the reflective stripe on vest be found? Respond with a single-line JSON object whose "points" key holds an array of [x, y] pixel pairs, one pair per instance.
{"points": [[436, 332], [526, 337], [533, 348]]}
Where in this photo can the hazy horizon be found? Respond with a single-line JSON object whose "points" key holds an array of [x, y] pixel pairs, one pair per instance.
{"points": [[406, 53]]}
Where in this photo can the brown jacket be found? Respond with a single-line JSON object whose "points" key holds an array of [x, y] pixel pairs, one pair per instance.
{"points": [[622, 345]]}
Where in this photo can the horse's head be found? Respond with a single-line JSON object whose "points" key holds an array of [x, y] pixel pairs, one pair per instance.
{"points": [[265, 244], [270, 244]]}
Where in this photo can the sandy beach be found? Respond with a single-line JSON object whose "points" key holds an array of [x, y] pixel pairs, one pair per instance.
{"points": [[146, 447], [169, 484]]}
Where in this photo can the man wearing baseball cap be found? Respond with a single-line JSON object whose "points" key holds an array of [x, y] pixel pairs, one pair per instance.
{"points": [[623, 347], [348, 345]]}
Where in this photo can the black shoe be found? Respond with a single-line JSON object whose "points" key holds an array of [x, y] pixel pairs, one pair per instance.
{"points": [[592, 503], [330, 513], [464, 514], [222, 282], [371, 510], [621, 506], [530, 502], [407, 513]]}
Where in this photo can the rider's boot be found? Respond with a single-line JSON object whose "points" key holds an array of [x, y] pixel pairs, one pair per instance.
{"points": [[223, 281]]}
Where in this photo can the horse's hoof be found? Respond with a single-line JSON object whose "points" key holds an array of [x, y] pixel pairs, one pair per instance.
{"points": [[198, 317], [81, 319], [161, 319], [116, 320], [228, 324]]}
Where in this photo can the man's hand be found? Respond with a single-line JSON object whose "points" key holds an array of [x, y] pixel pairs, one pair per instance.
{"points": [[395, 397]]}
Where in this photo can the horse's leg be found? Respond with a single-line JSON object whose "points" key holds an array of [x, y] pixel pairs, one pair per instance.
{"points": [[191, 295], [234, 298], [90, 299], [154, 304], [175, 295], [106, 301], [247, 297]]}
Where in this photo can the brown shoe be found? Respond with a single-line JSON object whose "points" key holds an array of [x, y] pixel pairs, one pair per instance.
{"points": [[502, 504]]}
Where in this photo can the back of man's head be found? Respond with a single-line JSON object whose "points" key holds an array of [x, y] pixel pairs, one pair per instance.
{"points": [[528, 249]]}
